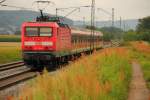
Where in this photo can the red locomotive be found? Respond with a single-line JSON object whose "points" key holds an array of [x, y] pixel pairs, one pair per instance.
{"points": [[44, 42]]}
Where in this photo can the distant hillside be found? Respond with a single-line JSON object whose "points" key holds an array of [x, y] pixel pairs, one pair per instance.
{"points": [[126, 24], [10, 21]]}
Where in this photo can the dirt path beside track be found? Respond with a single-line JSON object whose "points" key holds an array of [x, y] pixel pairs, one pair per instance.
{"points": [[138, 89]]}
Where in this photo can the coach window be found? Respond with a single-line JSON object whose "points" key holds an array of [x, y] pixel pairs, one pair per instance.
{"points": [[45, 31]]}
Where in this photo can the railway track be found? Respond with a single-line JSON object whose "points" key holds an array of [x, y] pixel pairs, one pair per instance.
{"points": [[11, 65], [13, 73]]}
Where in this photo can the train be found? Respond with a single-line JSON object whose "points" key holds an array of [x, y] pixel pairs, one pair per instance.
{"points": [[49, 41]]}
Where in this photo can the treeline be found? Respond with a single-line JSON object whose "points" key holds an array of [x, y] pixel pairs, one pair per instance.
{"points": [[109, 33], [142, 32]]}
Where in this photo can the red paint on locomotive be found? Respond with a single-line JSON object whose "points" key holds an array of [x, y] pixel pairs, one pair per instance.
{"points": [[36, 42]]}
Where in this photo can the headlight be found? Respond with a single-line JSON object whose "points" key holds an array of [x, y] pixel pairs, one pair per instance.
{"points": [[47, 43], [29, 43]]}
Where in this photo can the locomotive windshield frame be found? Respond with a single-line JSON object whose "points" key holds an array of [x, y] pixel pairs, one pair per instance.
{"points": [[38, 32]]}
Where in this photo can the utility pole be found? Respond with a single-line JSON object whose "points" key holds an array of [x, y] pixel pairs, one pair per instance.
{"points": [[56, 12], [113, 15], [84, 21], [120, 23], [92, 24], [124, 26]]}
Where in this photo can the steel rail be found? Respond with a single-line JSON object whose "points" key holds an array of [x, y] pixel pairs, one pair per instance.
{"points": [[11, 65], [13, 73], [12, 81]]}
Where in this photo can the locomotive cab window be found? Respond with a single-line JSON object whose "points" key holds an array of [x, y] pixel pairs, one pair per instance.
{"points": [[31, 31], [38, 31], [45, 32]]}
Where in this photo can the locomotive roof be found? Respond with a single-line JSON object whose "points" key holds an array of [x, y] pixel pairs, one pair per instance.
{"points": [[51, 24], [54, 24]]}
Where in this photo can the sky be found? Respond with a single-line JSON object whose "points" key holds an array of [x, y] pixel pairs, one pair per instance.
{"points": [[127, 9]]}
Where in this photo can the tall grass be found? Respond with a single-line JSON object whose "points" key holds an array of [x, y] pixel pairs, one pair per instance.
{"points": [[104, 75], [141, 46]]}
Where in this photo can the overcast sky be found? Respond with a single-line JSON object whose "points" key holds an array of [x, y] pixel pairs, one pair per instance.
{"points": [[128, 9]]}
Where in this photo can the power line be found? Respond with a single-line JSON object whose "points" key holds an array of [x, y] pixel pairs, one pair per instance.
{"points": [[74, 9], [2, 1], [38, 2], [105, 11], [71, 12], [11, 6]]}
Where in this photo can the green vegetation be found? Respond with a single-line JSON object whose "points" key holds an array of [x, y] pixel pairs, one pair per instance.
{"points": [[142, 32], [143, 29], [146, 69], [130, 35], [145, 63], [9, 52], [144, 25], [109, 33], [145, 36], [104, 75], [141, 52], [10, 38]]}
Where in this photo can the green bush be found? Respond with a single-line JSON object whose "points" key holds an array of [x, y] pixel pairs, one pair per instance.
{"points": [[145, 36], [130, 36]]}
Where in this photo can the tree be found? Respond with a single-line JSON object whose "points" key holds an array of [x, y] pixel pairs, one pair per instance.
{"points": [[143, 29], [144, 24], [145, 35], [111, 33]]}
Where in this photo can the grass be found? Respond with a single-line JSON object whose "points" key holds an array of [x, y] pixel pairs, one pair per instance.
{"points": [[141, 52], [104, 75], [10, 38], [9, 52]]}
